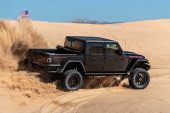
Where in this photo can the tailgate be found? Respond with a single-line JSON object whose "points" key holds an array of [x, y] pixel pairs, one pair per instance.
{"points": [[37, 56]]}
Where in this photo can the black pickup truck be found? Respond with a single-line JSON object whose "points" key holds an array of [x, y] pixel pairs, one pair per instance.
{"points": [[90, 56]]}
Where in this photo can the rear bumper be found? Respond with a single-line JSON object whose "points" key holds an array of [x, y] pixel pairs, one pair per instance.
{"points": [[49, 68], [53, 68]]}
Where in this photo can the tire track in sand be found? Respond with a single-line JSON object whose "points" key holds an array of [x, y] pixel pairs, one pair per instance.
{"points": [[69, 102]]}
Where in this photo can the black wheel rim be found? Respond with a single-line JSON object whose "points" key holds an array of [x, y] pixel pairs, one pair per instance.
{"points": [[141, 79], [73, 81]]}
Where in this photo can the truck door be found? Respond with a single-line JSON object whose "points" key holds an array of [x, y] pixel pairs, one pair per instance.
{"points": [[94, 59], [113, 58]]}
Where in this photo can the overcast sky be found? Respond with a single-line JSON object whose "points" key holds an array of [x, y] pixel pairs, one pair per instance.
{"points": [[101, 10]]}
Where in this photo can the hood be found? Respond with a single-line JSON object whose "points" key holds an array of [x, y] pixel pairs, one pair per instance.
{"points": [[133, 55]]}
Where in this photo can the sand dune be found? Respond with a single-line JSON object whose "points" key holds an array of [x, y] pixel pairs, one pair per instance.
{"points": [[146, 37], [31, 92]]}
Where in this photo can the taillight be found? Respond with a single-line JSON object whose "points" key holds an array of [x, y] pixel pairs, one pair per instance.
{"points": [[49, 60]]}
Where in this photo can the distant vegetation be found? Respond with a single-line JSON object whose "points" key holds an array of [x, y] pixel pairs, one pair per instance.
{"points": [[88, 21]]}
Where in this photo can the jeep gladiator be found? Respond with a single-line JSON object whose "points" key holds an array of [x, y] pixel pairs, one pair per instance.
{"points": [[90, 56]]}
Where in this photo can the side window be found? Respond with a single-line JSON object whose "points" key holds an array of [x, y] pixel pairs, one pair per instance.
{"points": [[96, 49], [111, 48]]}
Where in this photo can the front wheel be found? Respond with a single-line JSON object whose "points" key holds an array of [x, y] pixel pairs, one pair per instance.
{"points": [[72, 80], [139, 79]]}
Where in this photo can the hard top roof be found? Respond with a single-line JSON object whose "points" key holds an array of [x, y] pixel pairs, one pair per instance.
{"points": [[90, 39]]}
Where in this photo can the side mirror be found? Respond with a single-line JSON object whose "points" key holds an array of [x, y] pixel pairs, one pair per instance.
{"points": [[118, 52]]}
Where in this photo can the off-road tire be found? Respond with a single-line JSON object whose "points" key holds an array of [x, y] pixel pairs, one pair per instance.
{"points": [[71, 76], [139, 79]]}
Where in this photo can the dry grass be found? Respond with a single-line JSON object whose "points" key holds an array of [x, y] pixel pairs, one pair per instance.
{"points": [[15, 39]]}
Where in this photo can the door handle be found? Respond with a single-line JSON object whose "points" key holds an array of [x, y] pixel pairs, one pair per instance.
{"points": [[108, 58], [93, 58]]}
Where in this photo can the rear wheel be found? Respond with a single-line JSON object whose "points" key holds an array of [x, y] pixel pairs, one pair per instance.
{"points": [[139, 79], [72, 80]]}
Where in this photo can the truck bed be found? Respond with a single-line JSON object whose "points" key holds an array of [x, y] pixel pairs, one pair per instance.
{"points": [[40, 57]]}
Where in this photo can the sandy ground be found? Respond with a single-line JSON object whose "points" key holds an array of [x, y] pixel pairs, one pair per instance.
{"points": [[25, 92]]}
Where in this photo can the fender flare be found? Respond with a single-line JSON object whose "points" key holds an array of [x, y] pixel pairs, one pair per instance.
{"points": [[72, 61], [139, 60]]}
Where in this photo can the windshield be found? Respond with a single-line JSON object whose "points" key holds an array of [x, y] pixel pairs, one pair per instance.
{"points": [[74, 44]]}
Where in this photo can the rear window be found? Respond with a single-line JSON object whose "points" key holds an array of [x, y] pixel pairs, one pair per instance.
{"points": [[96, 48], [74, 44]]}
